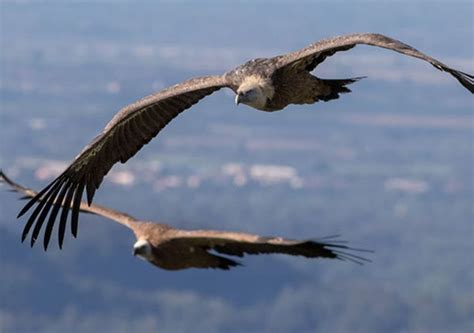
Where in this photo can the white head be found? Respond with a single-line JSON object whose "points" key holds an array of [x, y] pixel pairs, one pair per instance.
{"points": [[254, 92], [142, 248]]}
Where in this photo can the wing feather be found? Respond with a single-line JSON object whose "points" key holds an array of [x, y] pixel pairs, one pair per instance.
{"points": [[39, 207], [45, 210], [66, 196], [238, 244], [127, 132], [52, 217], [311, 56], [75, 208], [64, 213]]}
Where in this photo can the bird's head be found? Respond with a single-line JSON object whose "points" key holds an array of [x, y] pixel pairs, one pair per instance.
{"points": [[253, 92], [252, 97], [143, 249]]}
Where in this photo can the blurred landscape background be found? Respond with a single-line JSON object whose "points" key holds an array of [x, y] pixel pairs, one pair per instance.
{"points": [[389, 167]]}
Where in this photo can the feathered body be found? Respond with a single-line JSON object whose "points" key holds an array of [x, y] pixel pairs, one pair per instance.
{"points": [[280, 88]]}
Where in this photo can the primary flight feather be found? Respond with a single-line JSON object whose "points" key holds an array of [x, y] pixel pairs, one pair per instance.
{"points": [[268, 84]]}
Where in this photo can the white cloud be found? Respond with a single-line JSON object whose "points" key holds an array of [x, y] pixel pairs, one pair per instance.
{"points": [[414, 186]]}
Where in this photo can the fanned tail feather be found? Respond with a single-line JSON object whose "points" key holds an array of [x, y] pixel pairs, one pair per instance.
{"points": [[336, 87]]}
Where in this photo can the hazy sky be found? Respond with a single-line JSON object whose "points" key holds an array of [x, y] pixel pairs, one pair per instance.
{"points": [[67, 67]]}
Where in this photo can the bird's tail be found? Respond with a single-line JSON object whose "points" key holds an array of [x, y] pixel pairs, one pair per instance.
{"points": [[335, 87]]}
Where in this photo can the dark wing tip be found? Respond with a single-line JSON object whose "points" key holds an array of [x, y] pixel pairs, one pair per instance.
{"points": [[337, 249], [62, 192], [4, 178], [64, 213], [33, 200], [90, 191], [14, 187], [76, 205], [54, 213], [465, 79], [23, 236], [26, 207], [343, 252]]}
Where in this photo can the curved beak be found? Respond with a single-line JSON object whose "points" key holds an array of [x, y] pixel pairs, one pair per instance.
{"points": [[135, 251], [238, 99]]}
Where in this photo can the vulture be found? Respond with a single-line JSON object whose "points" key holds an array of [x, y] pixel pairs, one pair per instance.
{"points": [[266, 84], [175, 249]]}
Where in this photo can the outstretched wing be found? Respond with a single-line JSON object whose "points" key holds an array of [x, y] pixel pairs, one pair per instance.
{"points": [[127, 132], [311, 56], [28, 193], [238, 244]]}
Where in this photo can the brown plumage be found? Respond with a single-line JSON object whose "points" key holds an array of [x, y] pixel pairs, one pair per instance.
{"points": [[265, 84], [173, 249]]}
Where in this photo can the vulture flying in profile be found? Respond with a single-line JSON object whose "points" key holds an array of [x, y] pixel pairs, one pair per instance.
{"points": [[175, 249], [264, 84]]}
